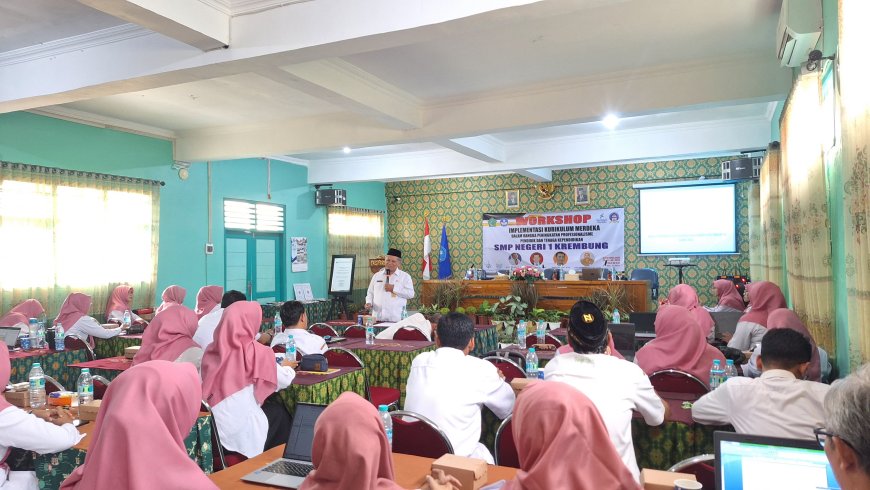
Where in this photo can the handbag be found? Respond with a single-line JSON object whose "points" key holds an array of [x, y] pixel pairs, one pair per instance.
{"points": [[314, 362]]}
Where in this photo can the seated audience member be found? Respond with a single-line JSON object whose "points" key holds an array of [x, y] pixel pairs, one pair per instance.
{"points": [[729, 297], [76, 322], [207, 324], [18, 428], [120, 301], [170, 338], [846, 434], [779, 403], [679, 344], [819, 368], [686, 296], [448, 386], [350, 450], [207, 299], [173, 295], [552, 420], [616, 386], [764, 297], [20, 315], [138, 439], [238, 376], [295, 321]]}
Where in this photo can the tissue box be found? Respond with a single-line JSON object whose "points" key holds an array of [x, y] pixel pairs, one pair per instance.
{"points": [[89, 410], [661, 480], [470, 472], [130, 352], [20, 399], [519, 383], [572, 277]]}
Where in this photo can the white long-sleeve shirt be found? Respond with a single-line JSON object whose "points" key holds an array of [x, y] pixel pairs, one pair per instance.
{"points": [[450, 388], [88, 325], [387, 307], [205, 331], [241, 423], [306, 342], [192, 355], [26, 431], [776, 405], [746, 335]]}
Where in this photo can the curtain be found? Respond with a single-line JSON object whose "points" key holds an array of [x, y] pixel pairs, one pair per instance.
{"points": [[768, 266], [757, 245], [64, 231], [854, 78], [805, 204], [359, 232]]}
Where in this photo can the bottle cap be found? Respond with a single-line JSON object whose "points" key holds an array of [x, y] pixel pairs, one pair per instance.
{"points": [[33, 320], [531, 349], [86, 370], [382, 408], [729, 361], [36, 364], [716, 361]]}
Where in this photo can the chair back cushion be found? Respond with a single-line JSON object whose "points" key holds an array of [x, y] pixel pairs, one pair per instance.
{"points": [[322, 330], [341, 358], [409, 334], [510, 369], [673, 381], [417, 438], [355, 332], [505, 447]]}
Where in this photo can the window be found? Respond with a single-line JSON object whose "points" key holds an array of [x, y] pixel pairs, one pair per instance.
{"points": [[254, 249], [359, 232], [250, 216]]}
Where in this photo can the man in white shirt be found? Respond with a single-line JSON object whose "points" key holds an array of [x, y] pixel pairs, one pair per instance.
{"points": [[616, 387], [846, 434], [295, 323], [449, 387], [390, 289], [779, 403]]}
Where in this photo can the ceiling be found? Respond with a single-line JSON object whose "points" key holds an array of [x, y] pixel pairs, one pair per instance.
{"points": [[414, 88]]}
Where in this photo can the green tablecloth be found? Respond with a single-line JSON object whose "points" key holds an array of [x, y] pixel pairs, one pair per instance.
{"points": [[485, 340], [115, 346], [52, 469], [323, 392], [316, 312], [53, 363], [660, 447], [389, 367]]}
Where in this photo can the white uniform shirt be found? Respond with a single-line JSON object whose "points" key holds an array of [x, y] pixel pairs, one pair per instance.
{"points": [[722, 308], [746, 335], [23, 430], [617, 388], [241, 423], [387, 307], [776, 405], [449, 388], [306, 342], [87, 325], [205, 332], [192, 355]]}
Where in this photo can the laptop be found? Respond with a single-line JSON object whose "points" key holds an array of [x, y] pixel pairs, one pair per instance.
{"points": [[623, 338], [726, 321], [291, 470], [644, 322], [751, 462], [590, 273], [9, 335]]}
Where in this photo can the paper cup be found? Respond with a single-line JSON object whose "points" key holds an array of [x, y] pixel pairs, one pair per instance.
{"points": [[687, 485]]}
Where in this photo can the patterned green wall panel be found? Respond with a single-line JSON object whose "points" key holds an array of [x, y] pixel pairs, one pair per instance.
{"points": [[460, 202]]}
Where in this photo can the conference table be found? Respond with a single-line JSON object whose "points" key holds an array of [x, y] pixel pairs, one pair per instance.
{"points": [[53, 363], [409, 471], [108, 368], [323, 388], [114, 347]]}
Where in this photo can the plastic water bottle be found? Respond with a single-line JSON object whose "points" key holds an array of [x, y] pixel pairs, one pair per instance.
{"points": [[370, 332], [616, 317], [279, 327], [290, 348], [40, 335], [730, 370], [521, 333], [85, 387], [531, 363], [128, 318], [33, 329], [37, 386], [541, 331], [404, 312], [388, 423], [716, 375], [59, 343]]}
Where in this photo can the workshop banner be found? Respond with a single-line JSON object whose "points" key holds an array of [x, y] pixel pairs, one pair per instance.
{"points": [[574, 239]]}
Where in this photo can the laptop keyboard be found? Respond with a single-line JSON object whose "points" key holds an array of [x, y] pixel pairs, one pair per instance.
{"points": [[290, 468]]}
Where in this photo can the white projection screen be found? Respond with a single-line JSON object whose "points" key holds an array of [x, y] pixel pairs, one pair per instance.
{"points": [[688, 219]]}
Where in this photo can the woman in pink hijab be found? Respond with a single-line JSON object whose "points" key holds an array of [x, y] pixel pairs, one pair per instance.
{"points": [[164, 398], [784, 318], [686, 296], [729, 297], [764, 297], [119, 302], [206, 299], [173, 295], [170, 338], [21, 314], [551, 421], [76, 322], [679, 344]]}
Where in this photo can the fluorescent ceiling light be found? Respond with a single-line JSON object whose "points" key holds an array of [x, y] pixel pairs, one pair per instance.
{"points": [[610, 121], [346, 150]]}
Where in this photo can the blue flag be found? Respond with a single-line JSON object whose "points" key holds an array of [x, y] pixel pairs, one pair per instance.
{"points": [[445, 269]]}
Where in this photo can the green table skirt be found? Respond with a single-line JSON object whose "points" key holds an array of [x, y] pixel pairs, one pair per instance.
{"points": [[53, 363], [389, 368], [324, 392], [114, 347], [52, 469], [316, 313], [485, 340]]}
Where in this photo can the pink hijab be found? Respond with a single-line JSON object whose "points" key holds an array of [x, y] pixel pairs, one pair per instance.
{"points": [[679, 344], [27, 309], [164, 398], [553, 421], [235, 359], [118, 299], [207, 298], [75, 306], [349, 437], [686, 296], [785, 318], [173, 295], [764, 297], [728, 294], [170, 334]]}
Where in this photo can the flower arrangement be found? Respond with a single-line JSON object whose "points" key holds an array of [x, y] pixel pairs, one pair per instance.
{"points": [[525, 273]]}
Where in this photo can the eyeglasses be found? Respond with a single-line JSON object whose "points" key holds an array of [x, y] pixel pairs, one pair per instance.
{"points": [[823, 434]]}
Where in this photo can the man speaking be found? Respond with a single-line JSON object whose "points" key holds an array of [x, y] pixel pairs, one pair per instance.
{"points": [[390, 289]]}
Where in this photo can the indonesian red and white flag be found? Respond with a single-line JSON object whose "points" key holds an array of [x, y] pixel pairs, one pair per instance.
{"points": [[427, 249]]}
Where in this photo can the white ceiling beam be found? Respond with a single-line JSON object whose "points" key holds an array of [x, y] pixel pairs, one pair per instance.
{"points": [[189, 21], [538, 174], [484, 148]]}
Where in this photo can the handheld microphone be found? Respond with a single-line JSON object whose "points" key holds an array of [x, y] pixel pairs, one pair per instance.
{"points": [[387, 274]]}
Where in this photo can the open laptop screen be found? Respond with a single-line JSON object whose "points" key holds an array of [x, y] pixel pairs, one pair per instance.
{"points": [[302, 432], [9, 335], [748, 462]]}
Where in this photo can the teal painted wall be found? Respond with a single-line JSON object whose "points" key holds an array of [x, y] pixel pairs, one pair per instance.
{"points": [[29, 138]]}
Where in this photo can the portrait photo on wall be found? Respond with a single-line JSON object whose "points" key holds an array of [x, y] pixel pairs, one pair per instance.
{"points": [[581, 194], [512, 198]]}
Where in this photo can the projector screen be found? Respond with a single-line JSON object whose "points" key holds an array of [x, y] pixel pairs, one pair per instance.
{"points": [[691, 220]]}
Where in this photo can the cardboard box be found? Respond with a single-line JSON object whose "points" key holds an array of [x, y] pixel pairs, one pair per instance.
{"points": [[20, 399], [130, 352], [661, 480], [89, 410], [470, 472], [519, 383]]}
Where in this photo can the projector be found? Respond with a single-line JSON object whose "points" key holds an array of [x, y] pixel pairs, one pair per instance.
{"points": [[678, 260]]}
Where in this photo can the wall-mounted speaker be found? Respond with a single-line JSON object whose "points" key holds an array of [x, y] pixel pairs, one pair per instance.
{"points": [[330, 197], [741, 168]]}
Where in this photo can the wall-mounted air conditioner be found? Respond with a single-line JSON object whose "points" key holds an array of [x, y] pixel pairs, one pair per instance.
{"points": [[798, 31]]}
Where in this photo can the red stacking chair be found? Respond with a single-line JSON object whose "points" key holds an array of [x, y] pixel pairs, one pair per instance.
{"points": [[407, 333], [355, 332], [75, 343], [676, 381], [322, 330], [225, 458], [531, 340], [418, 436], [377, 395], [52, 385], [505, 447], [101, 384], [508, 367], [700, 466]]}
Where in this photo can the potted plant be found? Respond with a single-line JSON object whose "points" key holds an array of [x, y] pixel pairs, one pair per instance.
{"points": [[554, 318], [505, 314], [484, 314], [471, 312], [609, 298]]}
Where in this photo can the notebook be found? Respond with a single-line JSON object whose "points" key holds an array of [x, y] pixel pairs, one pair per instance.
{"points": [[291, 470], [750, 462], [9, 335]]}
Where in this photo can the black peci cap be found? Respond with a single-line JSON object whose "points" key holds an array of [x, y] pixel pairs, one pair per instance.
{"points": [[588, 327], [395, 252]]}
